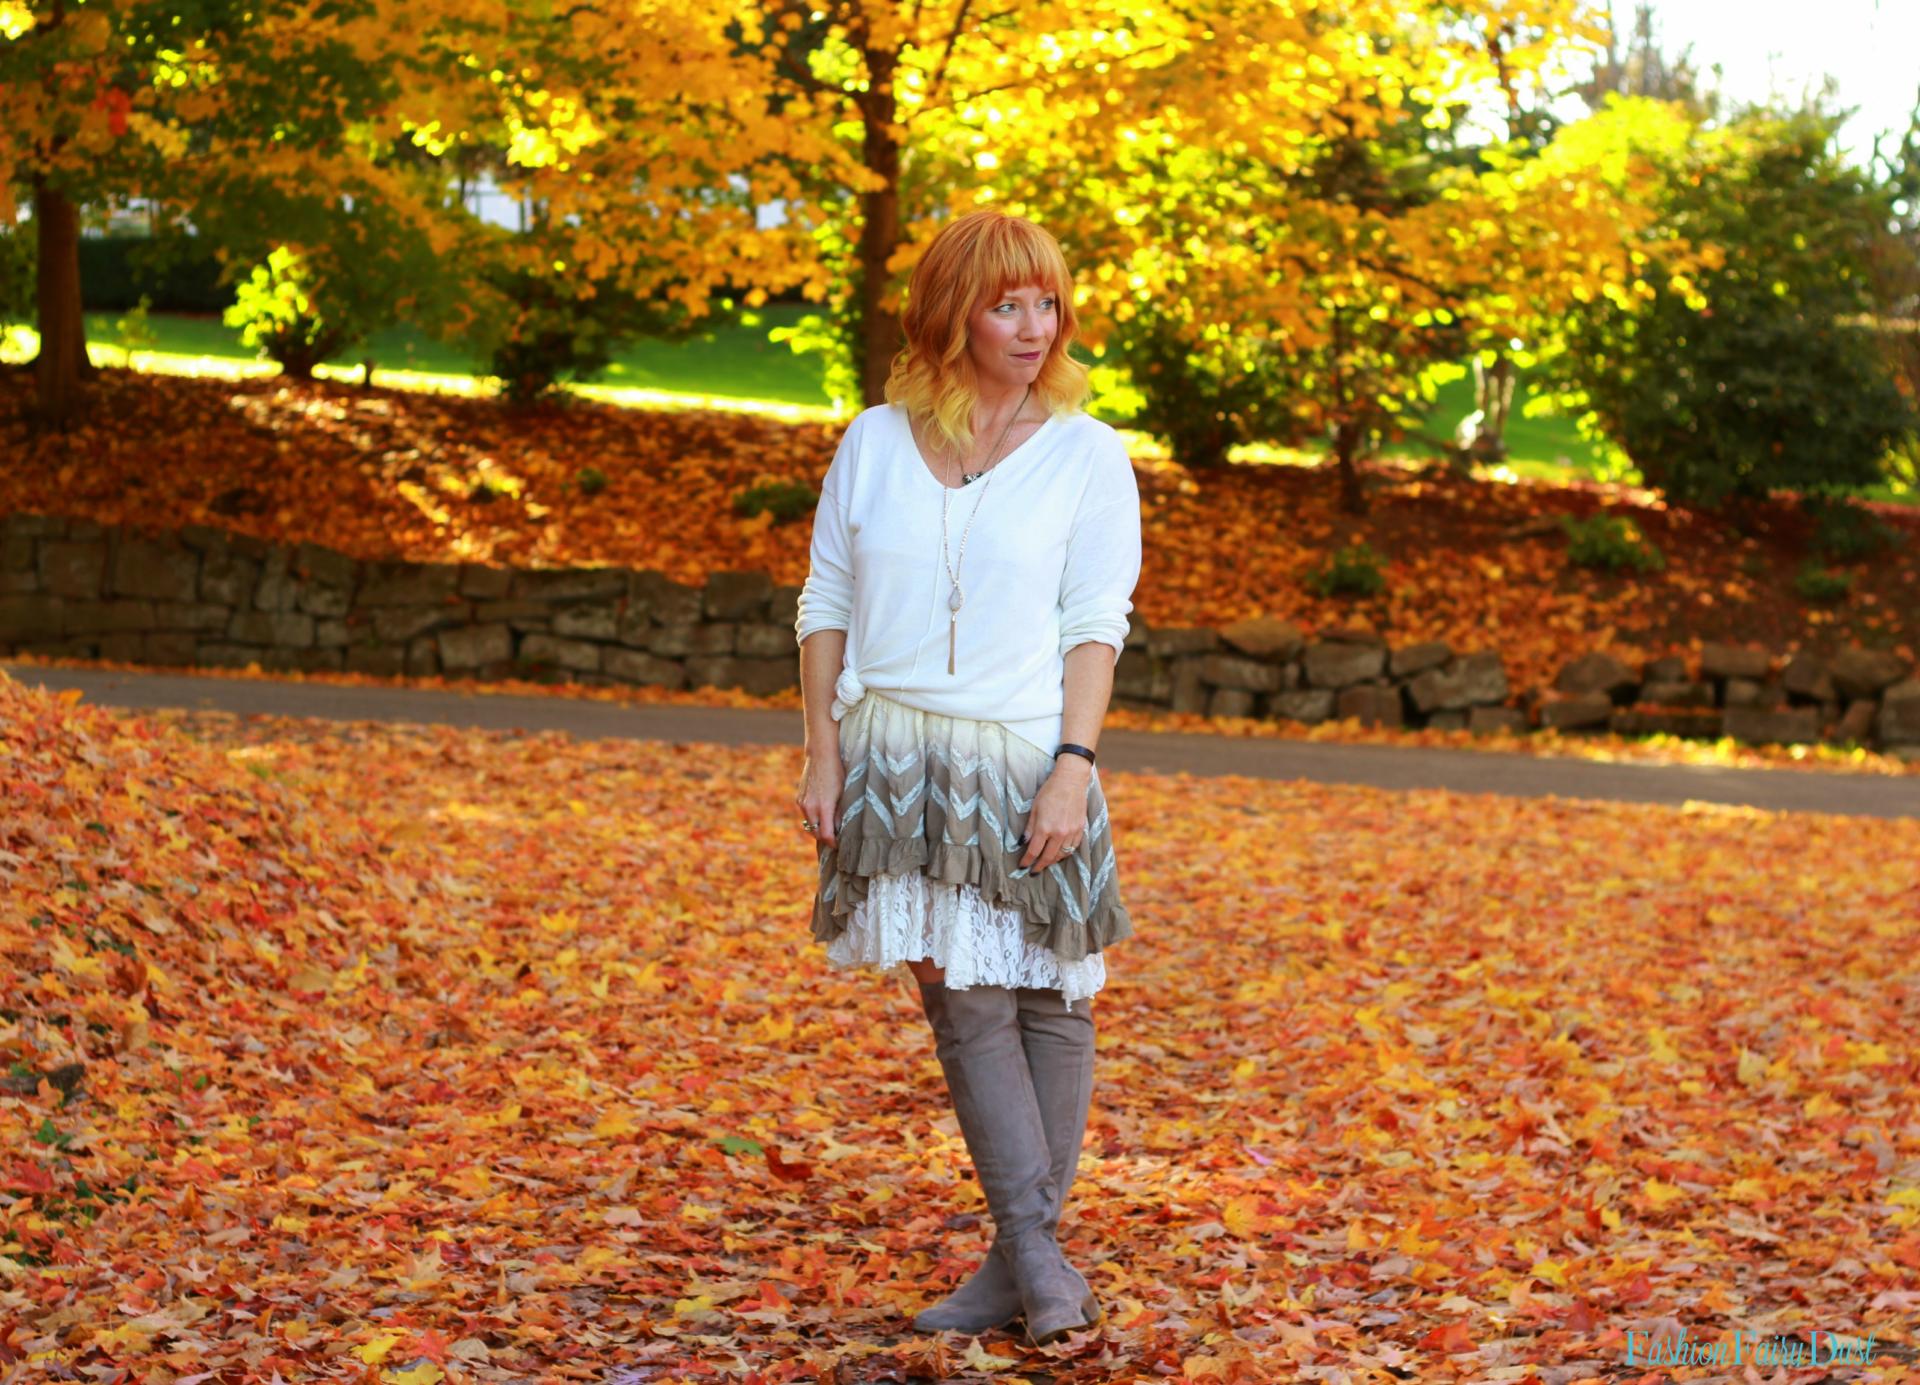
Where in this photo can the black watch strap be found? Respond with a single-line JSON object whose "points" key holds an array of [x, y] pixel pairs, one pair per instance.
{"points": [[1069, 748]]}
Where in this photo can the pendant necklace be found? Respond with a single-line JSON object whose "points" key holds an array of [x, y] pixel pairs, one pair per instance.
{"points": [[958, 598]]}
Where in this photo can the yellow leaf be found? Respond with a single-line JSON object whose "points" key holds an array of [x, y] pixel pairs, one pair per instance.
{"points": [[374, 1352], [1660, 1194], [426, 1373], [1242, 1215], [1662, 1046], [1753, 1069], [978, 1358], [616, 1122]]}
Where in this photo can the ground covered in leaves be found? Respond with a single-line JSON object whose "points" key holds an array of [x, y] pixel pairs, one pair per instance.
{"points": [[387, 473], [411, 1054]]}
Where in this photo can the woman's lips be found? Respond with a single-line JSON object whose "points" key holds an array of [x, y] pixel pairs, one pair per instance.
{"points": [[1028, 356]]}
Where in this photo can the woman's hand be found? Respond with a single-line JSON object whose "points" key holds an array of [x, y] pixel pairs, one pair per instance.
{"points": [[1059, 816], [821, 780]]}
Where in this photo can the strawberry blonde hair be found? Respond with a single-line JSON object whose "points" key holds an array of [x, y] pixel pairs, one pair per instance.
{"points": [[973, 261]]}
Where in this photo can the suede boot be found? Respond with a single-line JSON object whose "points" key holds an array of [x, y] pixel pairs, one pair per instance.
{"points": [[1024, 1273]]}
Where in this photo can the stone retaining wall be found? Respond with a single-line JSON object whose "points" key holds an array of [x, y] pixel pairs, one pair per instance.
{"points": [[206, 597]]}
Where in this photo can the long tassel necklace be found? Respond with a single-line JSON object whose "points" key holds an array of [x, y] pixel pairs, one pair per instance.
{"points": [[958, 597]]}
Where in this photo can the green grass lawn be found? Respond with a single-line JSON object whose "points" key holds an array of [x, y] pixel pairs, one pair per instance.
{"points": [[732, 360]]}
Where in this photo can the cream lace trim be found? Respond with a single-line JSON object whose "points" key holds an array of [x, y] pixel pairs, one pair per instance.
{"points": [[905, 920]]}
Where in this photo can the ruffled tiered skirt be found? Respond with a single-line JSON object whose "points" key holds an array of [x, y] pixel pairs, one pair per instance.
{"points": [[926, 865]]}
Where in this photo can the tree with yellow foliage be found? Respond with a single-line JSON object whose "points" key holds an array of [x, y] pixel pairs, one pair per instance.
{"points": [[1290, 237], [196, 109]]}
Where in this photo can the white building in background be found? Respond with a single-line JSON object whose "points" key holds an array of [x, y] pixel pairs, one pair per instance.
{"points": [[489, 203], [483, 197]]}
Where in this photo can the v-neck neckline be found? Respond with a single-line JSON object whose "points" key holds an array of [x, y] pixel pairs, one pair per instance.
{"points": [[927, 470]]}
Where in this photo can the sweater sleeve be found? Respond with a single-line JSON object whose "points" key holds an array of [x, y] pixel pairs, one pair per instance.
{"points": [[826, 601], [1103, 557]]}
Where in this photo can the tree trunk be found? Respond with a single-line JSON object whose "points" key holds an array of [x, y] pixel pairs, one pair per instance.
{"points": [[1346, 448], [62, 365], [880, 336], [1493, 397]]}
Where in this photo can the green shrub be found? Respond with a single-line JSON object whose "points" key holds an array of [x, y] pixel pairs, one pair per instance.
{"points": [[278, 315], [542, 329], [1356, 570], [590, 480], [135, 330], [784, 499], [1845, 533], [336, 270], [1815, 583], [1754, 375], [1612, 542], [1203, 401]]}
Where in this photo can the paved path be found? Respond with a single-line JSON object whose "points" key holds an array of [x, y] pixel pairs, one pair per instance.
{"points": [[1381, 766]]}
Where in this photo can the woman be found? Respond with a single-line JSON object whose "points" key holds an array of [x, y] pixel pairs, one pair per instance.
{"points": [[973, 562]]}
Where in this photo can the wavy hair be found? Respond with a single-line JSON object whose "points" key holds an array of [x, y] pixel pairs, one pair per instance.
{"points": [[973, 260]]}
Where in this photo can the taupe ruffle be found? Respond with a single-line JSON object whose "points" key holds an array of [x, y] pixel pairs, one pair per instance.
{"points": [[950, 796]]}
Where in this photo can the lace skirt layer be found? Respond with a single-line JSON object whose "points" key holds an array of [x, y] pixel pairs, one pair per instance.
{"points": [[906, 918], [927, 863]]}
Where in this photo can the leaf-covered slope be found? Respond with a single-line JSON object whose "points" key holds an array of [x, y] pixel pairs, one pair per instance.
{"points": [[440, 478]]}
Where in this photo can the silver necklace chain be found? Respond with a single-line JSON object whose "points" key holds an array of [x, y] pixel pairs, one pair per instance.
{"points": [[958, 597]]}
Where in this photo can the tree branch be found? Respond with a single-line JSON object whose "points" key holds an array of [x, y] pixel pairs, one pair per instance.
{"points": [[946, 58]]}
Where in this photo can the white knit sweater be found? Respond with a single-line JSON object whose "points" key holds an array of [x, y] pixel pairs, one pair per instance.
{"points": [[1051, 563]]}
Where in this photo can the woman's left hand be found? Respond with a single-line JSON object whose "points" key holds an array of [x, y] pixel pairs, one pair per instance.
{"points": [[1058, 819]]}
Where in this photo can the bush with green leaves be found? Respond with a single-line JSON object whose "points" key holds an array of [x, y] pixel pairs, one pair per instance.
{"points": [[1203, 401], [1815, 583], [279, 315], [346, 270], [784, 500], [1753, 376], [543, 329], [1612, 542], [330, 268], [1844, 532], [1355, 570]]}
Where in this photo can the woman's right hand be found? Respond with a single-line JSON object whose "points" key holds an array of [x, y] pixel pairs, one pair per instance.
{"points": [[819, 798]]}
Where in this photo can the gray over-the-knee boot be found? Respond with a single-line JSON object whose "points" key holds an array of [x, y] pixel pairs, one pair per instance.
{"points": [[978, 1032]]}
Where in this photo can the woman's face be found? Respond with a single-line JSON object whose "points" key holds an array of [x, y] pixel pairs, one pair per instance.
{"points": [[1010, 337]]}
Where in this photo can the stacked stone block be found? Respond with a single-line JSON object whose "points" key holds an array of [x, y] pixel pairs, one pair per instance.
{"points": [[205, 597], [1862, 696], [208, 598]]}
